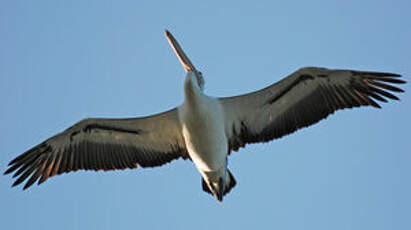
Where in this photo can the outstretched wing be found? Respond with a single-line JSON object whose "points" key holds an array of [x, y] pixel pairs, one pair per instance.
{"points": [[302, 99], [103, 144]]}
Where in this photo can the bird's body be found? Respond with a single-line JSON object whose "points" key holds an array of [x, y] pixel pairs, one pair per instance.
{"points": [[204, 129], [202, 121]]}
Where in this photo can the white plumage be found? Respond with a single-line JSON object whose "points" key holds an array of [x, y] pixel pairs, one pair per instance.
{"points": [[202, 120]]}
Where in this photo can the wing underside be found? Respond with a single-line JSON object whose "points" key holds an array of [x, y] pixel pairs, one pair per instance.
{"points": [[302, 99], [103, 144]]}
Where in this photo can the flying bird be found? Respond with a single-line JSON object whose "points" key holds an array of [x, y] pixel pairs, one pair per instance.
{"points": [[204, 129]]}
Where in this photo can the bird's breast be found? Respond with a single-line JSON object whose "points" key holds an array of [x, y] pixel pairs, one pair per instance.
{"points": [[204, 134]]}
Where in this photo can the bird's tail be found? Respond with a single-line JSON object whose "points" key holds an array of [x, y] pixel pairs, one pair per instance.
{"points": [[230, 182]]}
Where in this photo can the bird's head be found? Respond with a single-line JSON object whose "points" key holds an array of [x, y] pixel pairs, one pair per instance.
{"points": [[195, 78]]}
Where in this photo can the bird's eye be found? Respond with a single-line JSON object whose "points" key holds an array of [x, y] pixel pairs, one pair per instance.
{"points": [[200, 73]]}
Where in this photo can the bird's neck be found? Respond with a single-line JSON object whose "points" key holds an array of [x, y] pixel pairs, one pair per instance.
{"points": [[192, 90]]}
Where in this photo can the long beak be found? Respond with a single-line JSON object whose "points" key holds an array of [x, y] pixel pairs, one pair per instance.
{"points": [[188, 66]]}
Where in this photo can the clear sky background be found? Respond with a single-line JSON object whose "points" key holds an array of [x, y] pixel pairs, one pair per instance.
{"points": [[61, 61]]}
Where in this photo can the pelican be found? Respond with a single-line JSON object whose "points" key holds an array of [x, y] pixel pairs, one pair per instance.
{"points": [[204, 129]]}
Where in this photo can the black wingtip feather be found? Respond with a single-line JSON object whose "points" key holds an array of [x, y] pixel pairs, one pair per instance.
{"points": [[378, 74], [22, 156], [31, 181], [390, 74], [11, 169], [374, 104], [390, 80]]}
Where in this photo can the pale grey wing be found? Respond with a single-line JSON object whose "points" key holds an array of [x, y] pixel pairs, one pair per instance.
{"points": [[302, 99], [103, 144]]}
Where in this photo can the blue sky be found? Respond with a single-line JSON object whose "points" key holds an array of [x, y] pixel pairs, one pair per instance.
{"points": [[62, 61]]}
